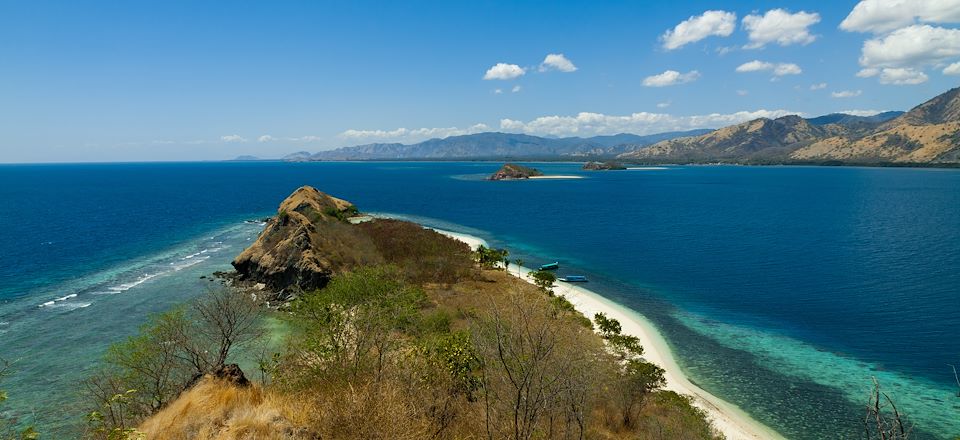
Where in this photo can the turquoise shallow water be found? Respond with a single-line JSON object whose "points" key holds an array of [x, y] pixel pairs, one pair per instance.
{"points": [[781, 289]]}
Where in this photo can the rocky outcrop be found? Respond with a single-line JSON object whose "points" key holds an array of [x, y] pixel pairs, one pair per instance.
{"points": [[307, 242], [513, 171], [603, 166]]}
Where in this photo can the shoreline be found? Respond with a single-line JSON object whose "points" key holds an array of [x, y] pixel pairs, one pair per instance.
{"points": [[728, 419]]}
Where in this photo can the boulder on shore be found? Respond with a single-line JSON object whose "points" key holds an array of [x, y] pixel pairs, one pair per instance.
{"points": [[514, 171]]}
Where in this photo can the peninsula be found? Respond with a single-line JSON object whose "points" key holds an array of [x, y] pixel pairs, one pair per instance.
{"points": [[400, 331]]}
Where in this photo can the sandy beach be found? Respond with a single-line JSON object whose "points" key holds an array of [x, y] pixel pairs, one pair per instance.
{"points": [[557, 177], [726, 417]]}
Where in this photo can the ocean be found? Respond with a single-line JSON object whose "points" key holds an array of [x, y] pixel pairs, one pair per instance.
{"points": [[783, 290]]}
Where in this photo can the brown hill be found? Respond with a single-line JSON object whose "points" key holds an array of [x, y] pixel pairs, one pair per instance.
{"points": [[927, 134]]}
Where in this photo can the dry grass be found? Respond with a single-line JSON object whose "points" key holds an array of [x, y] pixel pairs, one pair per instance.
{"points": [[215, 410]]}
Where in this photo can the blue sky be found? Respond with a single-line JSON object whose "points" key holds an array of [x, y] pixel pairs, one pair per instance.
{"points": [[126, 81]]}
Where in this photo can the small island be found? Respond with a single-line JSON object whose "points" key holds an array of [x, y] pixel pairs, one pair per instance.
{"points": [[603, 166], [513, 171]]}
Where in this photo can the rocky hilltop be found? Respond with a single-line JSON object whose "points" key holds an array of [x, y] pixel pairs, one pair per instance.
{"points": [[304, 244], [513, 171], [927, 134]]}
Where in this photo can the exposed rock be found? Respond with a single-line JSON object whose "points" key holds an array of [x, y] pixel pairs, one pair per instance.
{"points": [[307, 242], [232, 374], [514, 171], [603, 166]]}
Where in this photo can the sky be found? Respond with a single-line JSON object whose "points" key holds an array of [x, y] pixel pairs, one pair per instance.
{"points": [[165, 81]]}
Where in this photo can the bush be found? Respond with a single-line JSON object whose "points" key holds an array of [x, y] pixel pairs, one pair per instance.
{"points": [[490, 258], [348, 326], [423, 255], [544, 279]]}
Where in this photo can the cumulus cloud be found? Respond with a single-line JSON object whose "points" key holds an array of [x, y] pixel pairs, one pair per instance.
{"points": [[411, 134], [558, 62], [778, 69], [670, 78], [265, 138], [846, 93], [591, 124], [698, 27], [743, 92], [515, 89], [913, 46], [233, 138], [862, 112], [880, 16], [820, 86], [781, 27], [901, 76], [663, 104], [504, 71], [953, 69]]}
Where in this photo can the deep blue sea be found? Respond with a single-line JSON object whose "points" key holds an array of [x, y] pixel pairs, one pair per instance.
{"points": [[783, 290]]}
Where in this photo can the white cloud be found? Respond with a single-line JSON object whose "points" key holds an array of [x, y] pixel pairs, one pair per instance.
{"points": [[590, 124], [497, 91], [266, 138], [846, 94], [781, 27], [698, 27], [953, 69], [902, 76], [743, 92], [663, 104], [912, 46], [233, 138], [754, 66], [869, 72], [558, 62], [411, 134], [515, 89], [778, 69], [862, 112], [820, 86], [670, 78], [880, 16], [504, 71], [787, 69]]}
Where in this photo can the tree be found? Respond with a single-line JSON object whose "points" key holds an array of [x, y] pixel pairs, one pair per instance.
{"points": [[638, 379], [490, 258], [173, 350], [883, 420], [607, 326], [544, 279], [349, 324], [519, 262]]}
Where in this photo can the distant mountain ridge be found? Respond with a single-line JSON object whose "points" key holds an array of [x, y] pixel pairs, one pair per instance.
{"points": [[927, 134], [495, 145]]}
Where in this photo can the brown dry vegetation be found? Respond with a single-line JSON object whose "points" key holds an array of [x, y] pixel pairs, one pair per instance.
{"points": [[487, 357], [429, 346]]}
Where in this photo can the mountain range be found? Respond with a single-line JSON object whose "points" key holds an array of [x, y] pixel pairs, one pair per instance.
{"points": [[927, 134], [494, 145]]}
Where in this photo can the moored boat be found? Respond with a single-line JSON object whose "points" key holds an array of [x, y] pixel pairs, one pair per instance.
{"points": [[550, 266], [574, 279]]}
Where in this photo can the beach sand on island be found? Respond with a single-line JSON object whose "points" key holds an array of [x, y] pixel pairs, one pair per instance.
{"points": [[557, 176], [727, 418]]}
